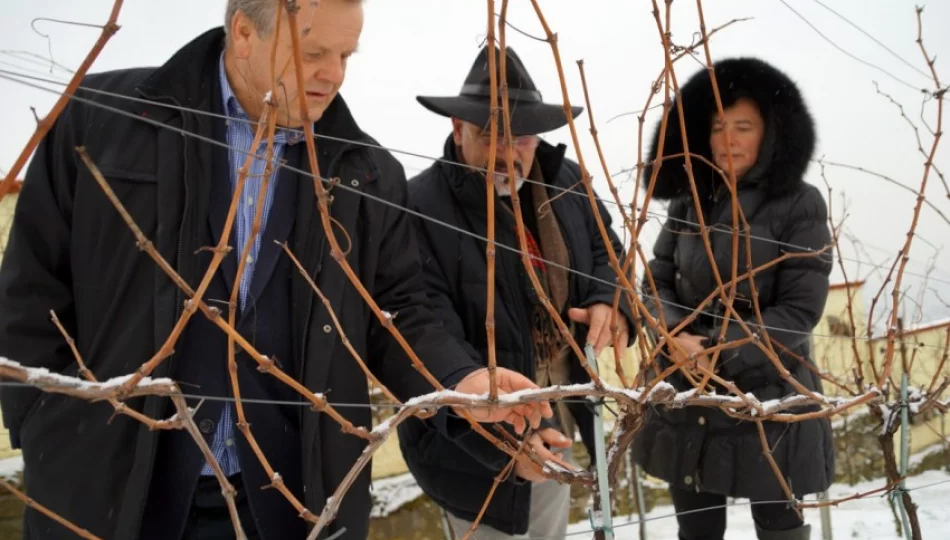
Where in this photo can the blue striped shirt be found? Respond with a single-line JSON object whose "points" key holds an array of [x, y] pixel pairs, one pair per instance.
{"points": [[240, 132]]}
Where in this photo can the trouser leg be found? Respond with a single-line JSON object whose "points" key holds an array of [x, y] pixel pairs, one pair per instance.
{"points": [[701, 516]]}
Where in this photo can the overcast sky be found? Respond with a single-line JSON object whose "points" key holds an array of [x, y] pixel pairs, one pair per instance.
{"points": [[412, 47]]}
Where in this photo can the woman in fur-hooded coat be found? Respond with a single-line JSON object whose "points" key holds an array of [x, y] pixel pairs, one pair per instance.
{"points": [[704, 454]]}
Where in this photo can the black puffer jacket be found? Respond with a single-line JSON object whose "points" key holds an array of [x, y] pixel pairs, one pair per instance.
{"points": [[703, 448], [454, 269]]}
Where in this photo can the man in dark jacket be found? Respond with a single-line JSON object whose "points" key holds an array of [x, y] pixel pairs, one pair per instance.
{"points": [[171, 159], [571, 263]]}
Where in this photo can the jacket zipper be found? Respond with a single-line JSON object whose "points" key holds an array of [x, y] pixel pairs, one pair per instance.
{"points": [[524, 314], [306, 328], [307, 462], [179, 301], [179, 305]]}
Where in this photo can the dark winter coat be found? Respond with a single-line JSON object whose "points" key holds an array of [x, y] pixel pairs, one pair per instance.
{"points": [[703, 448], [70, 251], [455, 275]]}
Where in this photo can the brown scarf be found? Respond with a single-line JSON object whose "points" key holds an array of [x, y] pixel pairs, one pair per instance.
{"points": [[552, 354]]}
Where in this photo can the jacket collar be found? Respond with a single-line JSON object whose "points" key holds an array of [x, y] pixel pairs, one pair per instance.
{"points": [[468, 184], [187, 78]]}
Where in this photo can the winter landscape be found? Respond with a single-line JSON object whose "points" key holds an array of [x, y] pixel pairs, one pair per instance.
{"points": [[820, 383]]}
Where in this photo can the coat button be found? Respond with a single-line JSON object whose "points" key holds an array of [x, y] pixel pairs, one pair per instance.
{"points": [[327, 329], [688, 480], [702, 420], [206, 426]]}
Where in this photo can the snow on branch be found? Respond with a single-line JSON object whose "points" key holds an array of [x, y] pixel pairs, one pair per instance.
{"points": [[48, 381]]}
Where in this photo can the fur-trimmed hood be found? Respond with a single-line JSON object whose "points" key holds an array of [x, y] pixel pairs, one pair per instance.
{"points": [[787, 145]]}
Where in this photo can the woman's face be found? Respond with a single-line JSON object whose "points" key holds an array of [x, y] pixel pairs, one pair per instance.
{"points": [[745, 127]]}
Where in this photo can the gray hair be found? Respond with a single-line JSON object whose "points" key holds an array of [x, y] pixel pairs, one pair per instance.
{"points": [[261, 13]]}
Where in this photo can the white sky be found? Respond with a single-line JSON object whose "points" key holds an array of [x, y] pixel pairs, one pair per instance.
{"points": [[412, 47]]}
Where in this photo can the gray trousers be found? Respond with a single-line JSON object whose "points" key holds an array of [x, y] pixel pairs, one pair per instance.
{"points": [[550, 506]]}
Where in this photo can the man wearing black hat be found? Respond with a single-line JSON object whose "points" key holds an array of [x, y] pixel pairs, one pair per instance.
{"points": [[571, 262]]}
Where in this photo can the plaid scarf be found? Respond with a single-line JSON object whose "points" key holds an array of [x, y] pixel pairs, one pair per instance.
{"points": [[552, 353]]}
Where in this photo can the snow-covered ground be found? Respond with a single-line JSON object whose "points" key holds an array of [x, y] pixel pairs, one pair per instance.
{"points": [[11, 467], [390, 494], [868, 518]]}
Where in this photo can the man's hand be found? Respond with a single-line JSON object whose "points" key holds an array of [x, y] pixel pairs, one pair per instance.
{"points": [[524, 466], [693, 346], [509, 381], [597, 318], [691, 343]]}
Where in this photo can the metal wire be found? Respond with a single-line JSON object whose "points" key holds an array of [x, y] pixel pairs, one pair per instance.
{"points": [[283, 403], [853, 57], [12, 76], [731, 505], [569, 191], [874, 39]]}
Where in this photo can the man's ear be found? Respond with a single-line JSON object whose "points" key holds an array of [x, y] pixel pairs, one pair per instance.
{"points": [[457, 131], [240, 33]]}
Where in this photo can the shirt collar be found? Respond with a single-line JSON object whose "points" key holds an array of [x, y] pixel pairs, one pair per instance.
{"points": [[234, 110]]}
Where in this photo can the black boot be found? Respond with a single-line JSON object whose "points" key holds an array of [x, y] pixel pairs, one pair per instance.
{"points": [[799, 533]]}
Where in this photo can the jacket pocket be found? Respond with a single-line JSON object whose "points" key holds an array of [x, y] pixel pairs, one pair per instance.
{"points": [[136, 190], [38, 402], [45, 406], [122, 174], [46, 403]]}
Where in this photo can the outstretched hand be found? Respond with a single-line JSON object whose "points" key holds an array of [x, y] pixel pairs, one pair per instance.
{"points": [[597, 319], [520, 415], [537, 441], [693, 346]]}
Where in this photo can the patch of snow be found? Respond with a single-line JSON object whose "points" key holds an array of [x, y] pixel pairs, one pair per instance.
{"points": [[555, 467], [916, 459], [596, 519], [384, 427], [870, 517], [770, 404], [11, 467], [514, 397], [682, 397], [44, 377], [435, 396], [660, 386], [391, 494], [886, 413]]}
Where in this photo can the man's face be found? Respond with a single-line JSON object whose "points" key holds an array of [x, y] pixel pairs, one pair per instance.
{"points": [[476, 143], [330, 35]]}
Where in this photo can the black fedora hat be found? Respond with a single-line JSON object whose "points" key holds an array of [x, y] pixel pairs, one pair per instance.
{"points": [[529, 115]]}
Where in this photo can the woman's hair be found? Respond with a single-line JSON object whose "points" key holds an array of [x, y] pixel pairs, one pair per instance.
{"points": [[788, 142]]}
